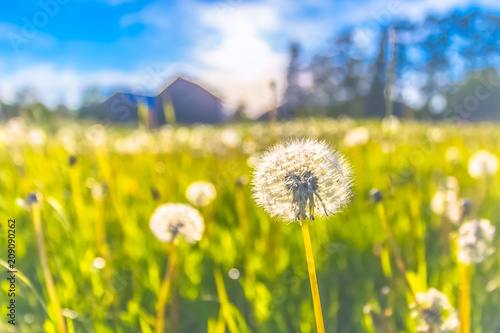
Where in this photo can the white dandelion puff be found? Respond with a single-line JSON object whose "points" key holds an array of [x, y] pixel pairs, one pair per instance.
{"points": [[475, 240], [171, 221], [436, 313], [230, 138], [37, 137], [390, 124], [201, 194], [483, 163], [357, 137], [302, 178], [96, 135]]}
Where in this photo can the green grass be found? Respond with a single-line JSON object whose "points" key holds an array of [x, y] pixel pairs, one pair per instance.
{"points": [[273, 292]]}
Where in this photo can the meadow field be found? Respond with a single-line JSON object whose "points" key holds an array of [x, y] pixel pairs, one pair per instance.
{"points": [[82, 197]]}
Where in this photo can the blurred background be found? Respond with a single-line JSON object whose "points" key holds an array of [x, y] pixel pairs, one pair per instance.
{"points": [[63, 58], [111, 108]]}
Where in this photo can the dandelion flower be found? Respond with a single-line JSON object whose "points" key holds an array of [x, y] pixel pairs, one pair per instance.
{"points": [[356, 137], [483, 163], [475, 241], [201, 194], [297, 179], [436, 313], [172, 220]]}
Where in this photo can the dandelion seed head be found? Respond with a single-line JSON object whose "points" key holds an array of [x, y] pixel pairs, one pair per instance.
{"points": [[29, 318], [357, 137], [230, 138], [72, 160], [98, 191], [69, 313], [302, 179], [234, 273], [376, 196], [475, 240], [171, 221], [99, 263], [483, 163], [437, 315], [96, 135], [390, 124], [37, 137], [201, 193]]}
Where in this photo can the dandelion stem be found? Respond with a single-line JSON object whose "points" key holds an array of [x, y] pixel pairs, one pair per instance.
{"points": [[464, 307], [100, 230], [312, 277], [225, 306], [37, 221], [164, 289], [395, 251]]}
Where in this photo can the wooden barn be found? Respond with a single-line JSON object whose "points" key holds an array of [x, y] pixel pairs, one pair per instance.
{"points": [[182, 101]]}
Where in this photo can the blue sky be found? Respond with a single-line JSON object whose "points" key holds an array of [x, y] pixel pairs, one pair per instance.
{"points": [[233, 47]]}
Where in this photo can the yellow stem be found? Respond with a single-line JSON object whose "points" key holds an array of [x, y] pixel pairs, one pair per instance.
{"points": [[37, 221], [464, 307], [100, 229], [164, 290], [312, 277], [225, 306]]}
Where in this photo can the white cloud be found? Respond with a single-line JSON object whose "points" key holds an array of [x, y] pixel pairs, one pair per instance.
{"points": [[242, 64]]}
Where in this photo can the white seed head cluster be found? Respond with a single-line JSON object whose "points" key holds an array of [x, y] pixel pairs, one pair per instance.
{"points": [[201, 193], [357, 137], [483, 163], [475, 240], [446, 202], [436, 313], [171, 221], [390, 124], [302, 178]]}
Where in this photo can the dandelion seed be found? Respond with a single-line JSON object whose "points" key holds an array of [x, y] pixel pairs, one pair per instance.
{"points": [[300, 179], [356, 137], [201, 194], [475, 240], [483, 163], [169, 221], [436, 313]]}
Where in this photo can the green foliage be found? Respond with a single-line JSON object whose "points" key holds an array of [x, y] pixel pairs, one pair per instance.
{"points": [[272, 293]]}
